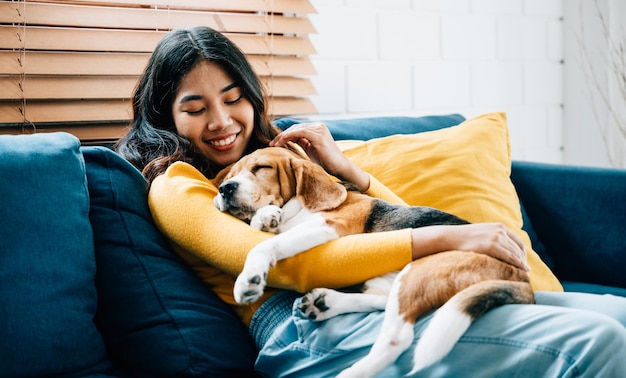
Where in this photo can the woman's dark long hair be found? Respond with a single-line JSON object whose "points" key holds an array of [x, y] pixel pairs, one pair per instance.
{"points": [[153, 144]]}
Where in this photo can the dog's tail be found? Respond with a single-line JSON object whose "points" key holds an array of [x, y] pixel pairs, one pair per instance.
{"points": [[454, 318]]}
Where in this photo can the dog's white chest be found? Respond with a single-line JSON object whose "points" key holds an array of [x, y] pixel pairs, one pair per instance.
{"points": [[295, 214]]}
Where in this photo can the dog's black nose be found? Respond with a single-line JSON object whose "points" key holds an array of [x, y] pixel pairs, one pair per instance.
{"points": [[228, 188]]}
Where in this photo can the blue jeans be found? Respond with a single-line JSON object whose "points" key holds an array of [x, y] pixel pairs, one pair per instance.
{"points": [[564, 335]]}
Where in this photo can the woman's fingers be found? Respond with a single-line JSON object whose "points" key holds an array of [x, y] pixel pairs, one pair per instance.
{"points": [[315, 134], [509, 247]]}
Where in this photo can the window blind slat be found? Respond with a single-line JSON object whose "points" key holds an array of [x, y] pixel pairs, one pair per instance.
{"points": [[88, 133], [83, 63], [39, 112], [150, 19], [71, 63], [281, 65], [67, 87], [281, 6], [291, 105], [116, 87], [288, 86], [91, 40]]}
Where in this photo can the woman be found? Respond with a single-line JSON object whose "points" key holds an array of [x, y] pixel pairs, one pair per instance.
{"points": [[199, 107]]}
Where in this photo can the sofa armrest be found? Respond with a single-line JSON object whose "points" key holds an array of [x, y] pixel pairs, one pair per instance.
{"points": [[579, 214]]}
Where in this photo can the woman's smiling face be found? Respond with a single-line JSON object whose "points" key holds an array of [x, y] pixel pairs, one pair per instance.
{"points": [[211, 111]]}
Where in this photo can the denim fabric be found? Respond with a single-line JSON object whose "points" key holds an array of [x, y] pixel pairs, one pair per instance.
{"points": [[47, 267], [565, 335], [157, 316]]}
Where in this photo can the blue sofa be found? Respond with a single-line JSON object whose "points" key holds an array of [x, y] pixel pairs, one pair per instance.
{"points": [[89, 287]]}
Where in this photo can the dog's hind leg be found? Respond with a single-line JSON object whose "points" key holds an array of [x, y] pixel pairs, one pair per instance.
{"points": [[321, 304], [380, 285], [396, 336], [454, 318]]}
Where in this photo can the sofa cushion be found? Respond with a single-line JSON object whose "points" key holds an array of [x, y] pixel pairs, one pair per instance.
{"points": [[463, 169], [376, 127], [538, 246], [47, 266], [157, 317]]}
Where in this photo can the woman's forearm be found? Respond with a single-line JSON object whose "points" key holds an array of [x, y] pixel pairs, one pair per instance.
{"points": [[493, 239], [181, 201]]}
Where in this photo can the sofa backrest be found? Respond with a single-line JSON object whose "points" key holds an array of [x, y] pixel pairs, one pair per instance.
{"points": [[377, 127]]}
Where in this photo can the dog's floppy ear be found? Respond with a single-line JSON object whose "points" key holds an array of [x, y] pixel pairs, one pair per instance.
{"points": [[316, 190]]}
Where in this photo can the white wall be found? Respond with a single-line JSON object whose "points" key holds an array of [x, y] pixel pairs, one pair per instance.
{"points": [[420, 57], [590, 135]]}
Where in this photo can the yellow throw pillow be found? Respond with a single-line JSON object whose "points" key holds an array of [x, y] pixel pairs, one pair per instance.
{"points": [[464, 170]]}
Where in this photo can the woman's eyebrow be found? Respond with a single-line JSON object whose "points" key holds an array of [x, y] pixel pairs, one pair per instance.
{"points": [[229, 87], [190, 98], [200, 97]]}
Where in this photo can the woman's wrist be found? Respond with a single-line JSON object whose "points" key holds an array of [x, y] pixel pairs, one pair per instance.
{"points": [[358, 177], [362, 180], [428, 240]]}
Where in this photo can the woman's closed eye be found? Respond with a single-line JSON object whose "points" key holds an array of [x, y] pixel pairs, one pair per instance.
{"points": [[235, 101], [195, 112]]}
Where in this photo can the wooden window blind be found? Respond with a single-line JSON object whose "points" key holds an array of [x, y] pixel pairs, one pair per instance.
{"points": [[73, 65]]}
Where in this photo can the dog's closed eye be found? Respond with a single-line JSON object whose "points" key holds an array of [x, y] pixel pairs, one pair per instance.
{"points": [[259, 168]]}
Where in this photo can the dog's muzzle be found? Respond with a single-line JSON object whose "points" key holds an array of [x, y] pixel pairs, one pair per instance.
{"points": [[225, 196], [228, 189]]}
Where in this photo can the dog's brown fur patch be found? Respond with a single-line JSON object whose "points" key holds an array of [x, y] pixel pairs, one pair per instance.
{"points": [[434, 279]]}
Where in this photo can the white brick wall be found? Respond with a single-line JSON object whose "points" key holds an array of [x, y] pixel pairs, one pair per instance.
{"points": [[420, 57]]}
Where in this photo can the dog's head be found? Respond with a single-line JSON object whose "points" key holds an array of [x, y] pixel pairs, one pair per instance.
{"points": [[273, 176]]}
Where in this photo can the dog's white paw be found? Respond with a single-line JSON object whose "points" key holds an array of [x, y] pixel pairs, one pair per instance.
{"points": [[267, 218], [317, 304], [251, 282], [218, 201]]}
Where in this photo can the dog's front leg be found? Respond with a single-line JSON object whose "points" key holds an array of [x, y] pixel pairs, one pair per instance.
{"points": [[268, 218], [251, 282]]}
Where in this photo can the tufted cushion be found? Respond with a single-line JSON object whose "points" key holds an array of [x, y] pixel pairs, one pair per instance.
{"points": [[157, 317], [47, 266], [463, 169]]}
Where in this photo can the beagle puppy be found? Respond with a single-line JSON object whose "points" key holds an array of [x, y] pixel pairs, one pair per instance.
{"points": [[275, 190]]}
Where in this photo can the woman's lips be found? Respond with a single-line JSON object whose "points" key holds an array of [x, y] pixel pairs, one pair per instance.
{"points": [[223, 143]]}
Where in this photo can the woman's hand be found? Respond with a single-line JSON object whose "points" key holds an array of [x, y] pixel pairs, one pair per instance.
{"points": [[493, 239], [316, 140]]}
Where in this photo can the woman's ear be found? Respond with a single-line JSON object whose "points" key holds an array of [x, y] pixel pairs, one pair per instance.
{"points": [[315, 188]]}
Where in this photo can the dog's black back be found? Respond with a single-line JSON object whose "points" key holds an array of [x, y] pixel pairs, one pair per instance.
{"points": [[387, 217]]}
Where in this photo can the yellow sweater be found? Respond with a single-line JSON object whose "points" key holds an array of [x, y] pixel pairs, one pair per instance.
{"points": [[215, 244]]}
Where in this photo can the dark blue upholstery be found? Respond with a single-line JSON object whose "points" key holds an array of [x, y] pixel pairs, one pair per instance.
{"points": [[376, 127], [579, 215], [157, 317], [47, 266]]}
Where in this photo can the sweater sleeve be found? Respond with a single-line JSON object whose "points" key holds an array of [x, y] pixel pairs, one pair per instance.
{"points": [[379, 190], [181, 202]]}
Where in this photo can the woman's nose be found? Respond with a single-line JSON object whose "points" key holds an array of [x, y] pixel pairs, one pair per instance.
{"points": [[219, 118]]}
